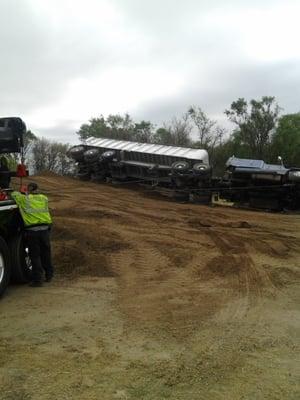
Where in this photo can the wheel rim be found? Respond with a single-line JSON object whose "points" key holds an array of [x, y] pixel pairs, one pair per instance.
{"points": [[108, 154], [199, 167], [180, 166], [2, 268]]}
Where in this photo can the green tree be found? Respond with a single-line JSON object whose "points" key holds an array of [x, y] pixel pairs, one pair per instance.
{"points": [[163, 136], [96, 127], [116, 126], [286, 140], [232, 146], [256, 122], [144, 132], [120, 127], [175, 132]]}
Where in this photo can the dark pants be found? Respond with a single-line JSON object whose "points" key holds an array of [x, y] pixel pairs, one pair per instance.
{"points": [[40, 254]]}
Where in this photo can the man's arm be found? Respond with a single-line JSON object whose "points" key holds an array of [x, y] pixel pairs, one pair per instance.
{"points": [[16, 196]]}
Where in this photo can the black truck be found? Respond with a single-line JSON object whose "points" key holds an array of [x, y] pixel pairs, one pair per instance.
{"points": [[15, 263]]}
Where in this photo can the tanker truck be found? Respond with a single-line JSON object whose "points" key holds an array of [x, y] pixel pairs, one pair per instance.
{"points": [[246, 182], [170, 166]]}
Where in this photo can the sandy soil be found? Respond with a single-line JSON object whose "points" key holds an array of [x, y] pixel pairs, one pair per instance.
{"points": [[156, 300]]}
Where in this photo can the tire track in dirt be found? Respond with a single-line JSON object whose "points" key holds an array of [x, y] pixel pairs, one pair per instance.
{"points": [[158, 286], [177, 265], [236, 260], [157, 300]]}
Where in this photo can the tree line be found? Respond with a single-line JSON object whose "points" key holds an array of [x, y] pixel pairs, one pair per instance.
{"points": [[259, 131], [41, 154]]}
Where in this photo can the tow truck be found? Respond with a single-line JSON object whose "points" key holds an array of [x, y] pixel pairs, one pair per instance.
{"points": [[15, 263]]}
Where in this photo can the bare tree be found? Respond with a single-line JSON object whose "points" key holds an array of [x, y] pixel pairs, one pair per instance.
{"points": [[65, 164], [50, 156], [28, 140], [179, 130], [207, 131]]}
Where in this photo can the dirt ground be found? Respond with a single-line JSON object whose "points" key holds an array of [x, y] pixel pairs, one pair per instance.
{"points": [[156, 300]]}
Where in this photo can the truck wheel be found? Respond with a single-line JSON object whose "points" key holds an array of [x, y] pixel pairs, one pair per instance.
{"points": [[180, 166], [20, 261], [201, 169], [4, 266]]}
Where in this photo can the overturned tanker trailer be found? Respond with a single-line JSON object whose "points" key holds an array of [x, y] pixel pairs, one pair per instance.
{"points": [[187, 171], [169, 166]]}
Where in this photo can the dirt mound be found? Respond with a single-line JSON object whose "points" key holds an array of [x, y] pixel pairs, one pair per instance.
{"points": [[168, 258], [162, 253], [79, 250], [153, 300]]}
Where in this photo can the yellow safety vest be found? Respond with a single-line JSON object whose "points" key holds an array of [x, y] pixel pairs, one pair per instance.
{"points": [[33, 208]]}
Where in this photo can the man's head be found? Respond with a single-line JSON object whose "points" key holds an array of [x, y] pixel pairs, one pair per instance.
{"points": [[32, 187]]}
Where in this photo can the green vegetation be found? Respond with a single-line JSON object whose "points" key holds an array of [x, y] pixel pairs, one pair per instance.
{"points": [[286, 139], [260, 132]]}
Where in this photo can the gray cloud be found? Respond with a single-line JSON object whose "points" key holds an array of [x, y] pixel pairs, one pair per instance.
{"points": [[228, 85], [62, 132], [38, 60], [204, 44]]}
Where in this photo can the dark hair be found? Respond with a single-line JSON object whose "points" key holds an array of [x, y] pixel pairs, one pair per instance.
{"points": [[32, 186]]}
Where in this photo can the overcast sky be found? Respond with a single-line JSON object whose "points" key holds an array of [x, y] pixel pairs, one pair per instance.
{"points": [[65, 61]]}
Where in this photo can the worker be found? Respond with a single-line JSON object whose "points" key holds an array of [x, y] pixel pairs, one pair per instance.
{"points": [[37, 220]]}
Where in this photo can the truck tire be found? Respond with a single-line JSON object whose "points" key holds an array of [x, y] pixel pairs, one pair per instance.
{"points": [[201, 169], [5, 269], [180, 166], [20, 261], [108, 155]]}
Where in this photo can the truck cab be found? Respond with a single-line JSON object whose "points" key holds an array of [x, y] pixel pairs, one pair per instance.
{"points": [[14, 260]]}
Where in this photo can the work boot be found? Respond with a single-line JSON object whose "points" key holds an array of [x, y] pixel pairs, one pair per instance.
{"points": [[35, 284]]}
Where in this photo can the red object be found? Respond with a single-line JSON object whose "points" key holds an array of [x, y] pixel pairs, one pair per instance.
{"points": [[3, 196], [23, 189], [21, 171]]}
